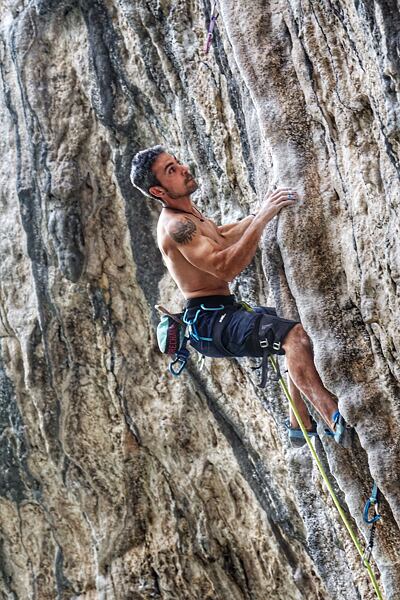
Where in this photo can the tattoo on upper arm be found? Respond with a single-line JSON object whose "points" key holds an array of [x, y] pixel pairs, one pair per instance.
{"points": [[183, 231]]}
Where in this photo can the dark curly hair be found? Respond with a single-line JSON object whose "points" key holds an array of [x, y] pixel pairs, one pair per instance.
{"points": [[142, 176]]}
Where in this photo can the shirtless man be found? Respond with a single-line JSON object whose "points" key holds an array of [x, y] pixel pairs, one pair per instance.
{"points": [[203, 258]]}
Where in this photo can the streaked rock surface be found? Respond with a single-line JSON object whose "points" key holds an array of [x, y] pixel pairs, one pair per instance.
{"points": [[117, 482]]}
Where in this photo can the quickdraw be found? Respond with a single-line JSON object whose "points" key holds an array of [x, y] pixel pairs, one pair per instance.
{"points": [[210, 35], [372, 502]]}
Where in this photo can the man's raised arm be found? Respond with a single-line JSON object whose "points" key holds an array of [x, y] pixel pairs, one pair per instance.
{"points": [[232, 232], [226, 263]]}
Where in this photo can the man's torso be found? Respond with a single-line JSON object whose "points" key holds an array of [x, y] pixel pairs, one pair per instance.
{"points": [[192, 281]]}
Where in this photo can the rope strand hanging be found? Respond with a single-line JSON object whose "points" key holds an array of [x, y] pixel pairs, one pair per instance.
{"points": [[364, 555]]}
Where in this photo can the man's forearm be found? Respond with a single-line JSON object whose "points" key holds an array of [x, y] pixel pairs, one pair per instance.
{"points": [[233, 231], [239, 255], [235, 258]]}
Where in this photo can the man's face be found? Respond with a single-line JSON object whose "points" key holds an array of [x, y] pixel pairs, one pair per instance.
{"points": [[175, 178]]}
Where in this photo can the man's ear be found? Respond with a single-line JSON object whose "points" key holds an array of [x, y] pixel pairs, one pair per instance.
{"points": [[157, 191]]}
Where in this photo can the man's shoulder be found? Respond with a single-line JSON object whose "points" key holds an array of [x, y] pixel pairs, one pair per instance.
{"points": [[175, 229], [181, 228]]}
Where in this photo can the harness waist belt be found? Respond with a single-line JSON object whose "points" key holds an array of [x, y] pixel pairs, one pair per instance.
{"points": [[210, 301]]}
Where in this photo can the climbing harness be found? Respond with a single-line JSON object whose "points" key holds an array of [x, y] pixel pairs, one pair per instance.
{"points": [[214, 17], [372, 502], [264, 339], [172, 338], [191, 323], [266, 375], [365, 556]]}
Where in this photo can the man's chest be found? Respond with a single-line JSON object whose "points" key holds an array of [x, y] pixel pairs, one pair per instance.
{"points": [[210, 230], [205, 227]]}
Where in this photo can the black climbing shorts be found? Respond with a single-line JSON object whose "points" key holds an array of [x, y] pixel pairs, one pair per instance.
{"points": [[220, 327]]}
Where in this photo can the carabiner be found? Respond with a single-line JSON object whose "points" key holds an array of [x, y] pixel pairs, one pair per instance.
{"points": [[372, 501], [214, 17], [178, 371]]}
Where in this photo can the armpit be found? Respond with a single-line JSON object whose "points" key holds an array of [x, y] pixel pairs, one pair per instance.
{"points": [[182, 232]]}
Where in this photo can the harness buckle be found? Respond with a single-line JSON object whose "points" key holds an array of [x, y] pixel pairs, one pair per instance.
{"points": [[264, 343], [276, 346]]}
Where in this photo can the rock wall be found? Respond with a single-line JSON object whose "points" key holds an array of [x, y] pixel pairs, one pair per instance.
{"points": [[116, 481]]}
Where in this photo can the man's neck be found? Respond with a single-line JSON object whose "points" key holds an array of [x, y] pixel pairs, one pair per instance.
{"points": [[185, 207], [184, 204]]}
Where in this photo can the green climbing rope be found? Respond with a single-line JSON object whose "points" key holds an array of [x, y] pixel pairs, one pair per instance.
{"points": [[342, 514]]}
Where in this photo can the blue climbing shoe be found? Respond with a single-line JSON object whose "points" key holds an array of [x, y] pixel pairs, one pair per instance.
{"points": [[296, 437], [343, 433]]}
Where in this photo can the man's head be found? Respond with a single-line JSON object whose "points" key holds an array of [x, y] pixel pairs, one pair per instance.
{"points": [[160, 175]]}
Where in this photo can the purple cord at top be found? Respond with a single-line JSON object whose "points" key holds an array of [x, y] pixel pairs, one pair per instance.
{"points": [[214, 17]]}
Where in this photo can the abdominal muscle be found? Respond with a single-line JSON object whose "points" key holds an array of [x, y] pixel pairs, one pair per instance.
{"points": [[193, 282]]}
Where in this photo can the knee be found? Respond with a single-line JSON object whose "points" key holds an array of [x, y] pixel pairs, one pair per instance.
{"points": [[297, 337]]}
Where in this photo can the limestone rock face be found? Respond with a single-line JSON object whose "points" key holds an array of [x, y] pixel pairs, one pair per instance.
{"points": [[116, 481]]}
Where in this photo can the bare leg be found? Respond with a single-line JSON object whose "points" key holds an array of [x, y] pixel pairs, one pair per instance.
{"points": [[301, 407], [302, 371]]}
